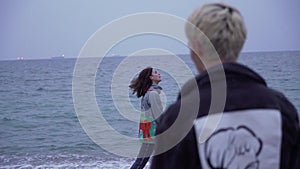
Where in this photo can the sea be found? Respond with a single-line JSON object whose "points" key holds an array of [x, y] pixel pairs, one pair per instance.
{"points": [[39, 127]]}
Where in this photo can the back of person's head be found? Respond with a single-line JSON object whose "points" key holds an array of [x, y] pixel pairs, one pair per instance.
{"points": [[141, 84], [223, 25]]}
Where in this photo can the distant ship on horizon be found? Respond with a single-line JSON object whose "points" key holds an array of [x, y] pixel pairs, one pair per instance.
{"points": [[58, 57], [20, 58]]}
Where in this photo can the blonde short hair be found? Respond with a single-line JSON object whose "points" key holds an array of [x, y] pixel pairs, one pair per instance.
{"points": [[222, 24]]}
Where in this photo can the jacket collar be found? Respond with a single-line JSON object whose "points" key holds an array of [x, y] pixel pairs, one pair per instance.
{"points": [[232, 70], [216, 73], [155, 87]]}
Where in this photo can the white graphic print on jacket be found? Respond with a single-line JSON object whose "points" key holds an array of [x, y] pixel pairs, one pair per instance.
{"points": [[247, 139]]}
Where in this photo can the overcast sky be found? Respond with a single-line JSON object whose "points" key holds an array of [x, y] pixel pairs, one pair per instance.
{"points": [[43, 28]]}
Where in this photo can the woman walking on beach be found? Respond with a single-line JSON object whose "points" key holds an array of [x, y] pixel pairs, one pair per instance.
{"points": [[146, 86]]}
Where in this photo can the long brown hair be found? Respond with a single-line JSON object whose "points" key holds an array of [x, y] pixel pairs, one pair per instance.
{"points": [[142, 83]]}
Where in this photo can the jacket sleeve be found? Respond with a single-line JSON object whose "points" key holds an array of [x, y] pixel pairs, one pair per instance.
{"points": [[293, 136], [290, 151], [297, 152], [156, 104], [184, 155]]}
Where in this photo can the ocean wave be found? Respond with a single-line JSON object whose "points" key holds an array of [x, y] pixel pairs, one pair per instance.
{"points": [[65, 161], [53, 90], [7, 119]]}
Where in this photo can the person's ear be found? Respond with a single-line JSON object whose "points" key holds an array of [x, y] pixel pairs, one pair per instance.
{"points": [[196, 53]]}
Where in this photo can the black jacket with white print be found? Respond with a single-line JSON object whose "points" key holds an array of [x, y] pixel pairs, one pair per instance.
{"points": [[259, 127]]}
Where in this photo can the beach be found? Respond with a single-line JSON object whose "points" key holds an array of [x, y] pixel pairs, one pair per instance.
{"points": [[39, 127]]}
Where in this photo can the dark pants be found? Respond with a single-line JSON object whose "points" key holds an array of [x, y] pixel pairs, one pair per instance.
{"points": [[144, 156]]}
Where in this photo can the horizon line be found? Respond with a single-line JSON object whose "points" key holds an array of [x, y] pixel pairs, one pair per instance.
{"points": [[111, 56]]}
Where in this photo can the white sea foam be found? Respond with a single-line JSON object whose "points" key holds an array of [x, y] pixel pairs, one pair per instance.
{"points": [[65, 161], [95, 165]]}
